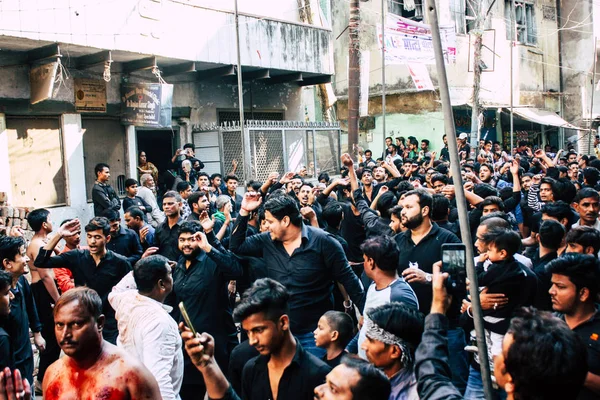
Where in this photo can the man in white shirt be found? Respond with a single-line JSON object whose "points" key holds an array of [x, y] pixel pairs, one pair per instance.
{"points": [[146, 330], [146, 192]]}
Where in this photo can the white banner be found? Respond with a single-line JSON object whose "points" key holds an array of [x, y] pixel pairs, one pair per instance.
{"points": [[420, 76], [408, 41]]}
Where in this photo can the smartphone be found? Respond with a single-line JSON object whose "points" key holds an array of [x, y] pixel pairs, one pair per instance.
{"points": [[186, 318], [454, 262]]}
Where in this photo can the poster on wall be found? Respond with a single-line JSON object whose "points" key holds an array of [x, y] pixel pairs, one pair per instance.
{"points": [[147, 104], [90, 95], [408, 41], [41, 82]]}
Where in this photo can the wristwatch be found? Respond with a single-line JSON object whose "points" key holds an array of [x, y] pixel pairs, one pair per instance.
{"points": [[428, 277]]}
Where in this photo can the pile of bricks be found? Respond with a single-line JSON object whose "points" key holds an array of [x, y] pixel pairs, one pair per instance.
{"points": [[14, 216]]}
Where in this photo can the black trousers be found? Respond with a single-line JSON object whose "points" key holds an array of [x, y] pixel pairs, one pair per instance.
{"points": [[44, 303]]}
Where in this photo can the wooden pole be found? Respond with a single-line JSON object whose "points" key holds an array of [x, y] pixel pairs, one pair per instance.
{"points": [[353, 74]]}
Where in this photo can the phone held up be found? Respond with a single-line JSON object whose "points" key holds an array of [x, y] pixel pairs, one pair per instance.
{"points": [[454, 262]]}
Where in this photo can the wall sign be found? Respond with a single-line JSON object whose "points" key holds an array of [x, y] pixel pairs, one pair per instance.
{"points": [[90, 95], [147, 104]]}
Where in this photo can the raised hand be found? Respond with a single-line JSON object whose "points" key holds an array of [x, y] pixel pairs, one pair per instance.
{"points": [[207, 223], [251, 201], [13, 389], [347, 160], [514, 167], [202, 242], [200, 348], [69, 229], [286, 178]]}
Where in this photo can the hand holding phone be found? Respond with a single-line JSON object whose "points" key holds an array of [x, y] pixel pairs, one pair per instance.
{"points": [[454, 262]]}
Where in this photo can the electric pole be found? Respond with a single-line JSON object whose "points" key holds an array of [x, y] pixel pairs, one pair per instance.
{"points": [[353, 74]]}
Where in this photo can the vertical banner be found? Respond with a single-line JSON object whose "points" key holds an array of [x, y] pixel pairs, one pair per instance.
{"points": [[365, 78], [420, 76]]}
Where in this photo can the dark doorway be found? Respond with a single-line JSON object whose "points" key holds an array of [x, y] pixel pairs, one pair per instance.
{"points": [[158, 145]]}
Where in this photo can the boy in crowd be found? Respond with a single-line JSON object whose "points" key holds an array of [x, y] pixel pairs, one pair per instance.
{"points": [[334, 331], [132, 198]]}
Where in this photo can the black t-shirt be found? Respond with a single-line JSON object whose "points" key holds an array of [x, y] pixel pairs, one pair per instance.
{"points": [[334, 362], [352, 229]]}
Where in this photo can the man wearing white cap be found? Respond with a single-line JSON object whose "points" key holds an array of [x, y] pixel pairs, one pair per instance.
{"points": [[464, 149]]}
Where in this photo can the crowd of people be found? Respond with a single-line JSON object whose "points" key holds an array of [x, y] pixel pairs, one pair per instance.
{"points": [[327, 288]]}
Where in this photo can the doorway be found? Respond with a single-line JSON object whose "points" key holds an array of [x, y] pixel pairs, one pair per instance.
{"points": [[159, 147]]}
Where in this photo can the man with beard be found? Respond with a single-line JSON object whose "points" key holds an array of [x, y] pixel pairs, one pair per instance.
{"points": [[486, 174], [95, 267], [200, 281], [587, 205], [420, 247], [134, 219], [167, 233], [574, 292], [198, 202], [231, 181], [148, 193], [92, 367]]}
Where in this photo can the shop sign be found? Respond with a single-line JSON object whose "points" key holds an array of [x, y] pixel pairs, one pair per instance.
{"points": [[147, 104], [90, 95]]}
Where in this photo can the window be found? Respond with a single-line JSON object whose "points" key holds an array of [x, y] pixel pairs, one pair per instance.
{"points": [[525, 22], [35, 156], [411, 9], [457, 9]]}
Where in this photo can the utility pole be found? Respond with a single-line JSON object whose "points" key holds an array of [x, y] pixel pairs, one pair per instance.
{"points": [[383, 4], [513, 28], [461, 201], [591, 135], [245, 144], [353, 74], [477, 34]]}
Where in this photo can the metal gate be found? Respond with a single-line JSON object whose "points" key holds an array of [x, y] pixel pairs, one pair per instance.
{"points": [[277, 146]]}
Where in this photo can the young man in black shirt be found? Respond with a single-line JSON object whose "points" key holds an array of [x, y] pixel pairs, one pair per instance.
{"points": [[167, 233], [575, 286], [6, 295], [103, 195], [283, 370], [96, 267], [123, 241]]}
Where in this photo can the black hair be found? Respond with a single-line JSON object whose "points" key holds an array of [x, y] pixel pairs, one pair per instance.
{"points": [[439, 207], [565, 190], [581, 269], [255, 185], [484, 190], [5, 279], [231, 177], [343, 324], [425, 199], [190, 227], [135, 212], [333, 214], [10, 247], [546, 360], [492, 200], [552, 182], [172, 194], [385, 202], [264, 296], [523, 143], [188, 146], [100, 167], [130, 182], [111, 215], [65, 221], [559, 210], [183, 186], [584, 193], [284, 206], [425, 141], [87, 298], [384, 252], [551, 234], [37, 217], [194, 197], [503, 239], [497, 219], [368, 151], [215, 175], [203, 174], [488, 166], [372, 385], [591, 176], [401, 320], [323, 176], [148, 271], [585, 236], [98, 223], [439, 178], [395, 211]]}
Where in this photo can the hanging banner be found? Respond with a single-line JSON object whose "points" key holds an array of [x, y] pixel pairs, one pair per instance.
{"points": [[90, 95], [365, 75], [147, 104], [41, 82], [420, 76], [408, 41]]}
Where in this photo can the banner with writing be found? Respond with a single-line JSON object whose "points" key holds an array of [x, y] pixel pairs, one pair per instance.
{"points": [[147, 104], [408, 41]]}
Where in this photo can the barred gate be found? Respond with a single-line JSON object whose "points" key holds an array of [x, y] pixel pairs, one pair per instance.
{"points": [[275, 146]]}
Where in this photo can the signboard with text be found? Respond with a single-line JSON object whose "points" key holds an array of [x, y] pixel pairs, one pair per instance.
{"points": [[147, 104], [90, 95]]}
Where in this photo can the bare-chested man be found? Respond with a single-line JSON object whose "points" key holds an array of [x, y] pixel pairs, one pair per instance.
{"points": [[43, 288], [93, 369]]}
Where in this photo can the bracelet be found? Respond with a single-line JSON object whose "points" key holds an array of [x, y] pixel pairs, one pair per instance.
{"points": [[349, 306], [469, 312]]}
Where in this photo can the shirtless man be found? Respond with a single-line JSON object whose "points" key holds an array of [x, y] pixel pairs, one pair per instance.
{"points": [[43, 288], [93, 368]]}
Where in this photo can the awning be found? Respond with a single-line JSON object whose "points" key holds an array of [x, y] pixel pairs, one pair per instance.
{"points": [[543, 117]]}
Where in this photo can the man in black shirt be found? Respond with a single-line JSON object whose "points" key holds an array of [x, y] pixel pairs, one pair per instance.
{"points": [[103, 195], [283, 364], [575, 287], [96, 267], [305, 259], [23, 313], [200, 281], [167, 233], [6, 295], [122, 241], [444, 155], [421, 246]]}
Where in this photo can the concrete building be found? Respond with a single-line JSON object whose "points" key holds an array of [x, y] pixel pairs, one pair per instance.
{"points": [[536, 90], [48, 149]]}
